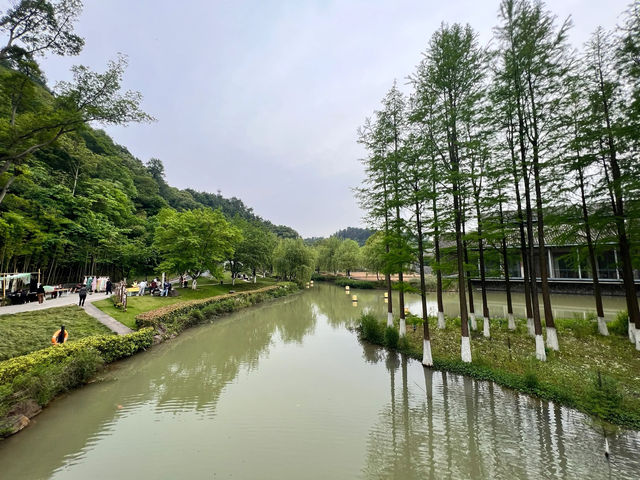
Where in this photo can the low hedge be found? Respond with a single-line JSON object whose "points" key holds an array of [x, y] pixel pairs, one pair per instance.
{"points": [[109, 347], [352, 283], [31, 381], [178, 316]]}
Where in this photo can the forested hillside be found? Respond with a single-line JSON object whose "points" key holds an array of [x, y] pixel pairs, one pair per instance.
{"points": [[85, 205]]}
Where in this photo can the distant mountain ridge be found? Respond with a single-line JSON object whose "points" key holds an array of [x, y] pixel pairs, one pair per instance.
{"points": [[358, 234]]}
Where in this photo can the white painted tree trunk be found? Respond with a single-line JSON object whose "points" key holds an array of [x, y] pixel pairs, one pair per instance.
{"points": [[512, 322], [632, 333], [389, 319], [427, 360], [637, 339], [254, 279], [552, 339], [233, 279], [474, 324], [441, 323], [403, 327], [194, 284], [486, 328], [465, 349], [531, 327], [540, 353], [602, 327]]}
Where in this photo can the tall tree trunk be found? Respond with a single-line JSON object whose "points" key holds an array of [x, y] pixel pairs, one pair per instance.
{"points": [[602, 325], [552, 334], [472, 310], [426, 346], [505, 266], [486, 329], [464, 326], [436, 241]]}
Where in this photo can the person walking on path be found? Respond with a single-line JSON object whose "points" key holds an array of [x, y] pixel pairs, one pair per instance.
{"points": [[83, 295], [108, 287], [40, 292], [142, 285]]}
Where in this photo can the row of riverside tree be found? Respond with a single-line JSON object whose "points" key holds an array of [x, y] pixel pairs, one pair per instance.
{"points": [[498, 149]]}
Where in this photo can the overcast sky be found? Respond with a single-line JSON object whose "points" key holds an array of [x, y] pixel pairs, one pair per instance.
{"points": [[262, 99]]}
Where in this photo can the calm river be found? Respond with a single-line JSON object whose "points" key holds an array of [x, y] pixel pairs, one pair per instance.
{"points": [[286, 391]]}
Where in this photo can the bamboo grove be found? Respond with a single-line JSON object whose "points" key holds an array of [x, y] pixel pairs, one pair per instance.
{"points": [[496, 148]]}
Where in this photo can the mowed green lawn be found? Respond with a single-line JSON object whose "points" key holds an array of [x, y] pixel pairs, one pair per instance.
{"points": [[25, 332], [206, 288]]}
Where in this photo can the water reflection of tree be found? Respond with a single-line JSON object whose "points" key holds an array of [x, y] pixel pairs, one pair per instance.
{"points": [[336, 306], [456, 427]]}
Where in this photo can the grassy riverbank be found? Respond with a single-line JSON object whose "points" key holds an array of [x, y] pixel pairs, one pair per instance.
{"points": [[22, 333], [206, 289], [594, 374]]}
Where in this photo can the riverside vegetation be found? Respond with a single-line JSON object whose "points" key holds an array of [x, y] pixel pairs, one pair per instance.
{"points": [[605, 386]]}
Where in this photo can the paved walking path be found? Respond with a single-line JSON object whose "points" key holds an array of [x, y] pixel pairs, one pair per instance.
{"points": [[106, 320], [72, 299]]}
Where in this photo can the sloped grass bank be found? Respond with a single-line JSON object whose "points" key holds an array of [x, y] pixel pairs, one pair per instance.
{"points": [[593, 374], [29, 382], [22, 333]]}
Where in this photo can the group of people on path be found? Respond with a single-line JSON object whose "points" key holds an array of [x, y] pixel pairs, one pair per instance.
{"points": [[155, 286]]}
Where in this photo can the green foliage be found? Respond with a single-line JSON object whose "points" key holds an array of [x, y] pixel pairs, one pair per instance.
{"points": [[581, 327], [391, 337], [194, 241], [619, 326], [293, 261], [363, 284], [603, 398], [348, 256], [255, 251], [371, 329]]}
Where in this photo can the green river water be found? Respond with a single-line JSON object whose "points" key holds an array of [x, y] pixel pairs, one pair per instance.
{"points": [[286, 391]]}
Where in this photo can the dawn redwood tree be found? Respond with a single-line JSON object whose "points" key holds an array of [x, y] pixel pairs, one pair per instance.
{"points": [[541, 65], [613, 87], [392, 120], [375, 196], [423, 119], [582, 157], [418, 188], [455, 66]]}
